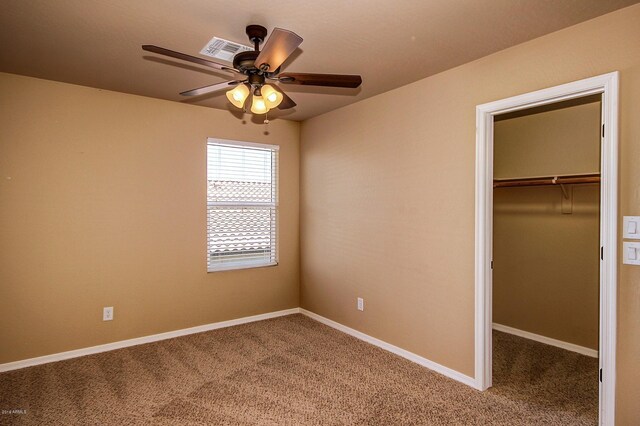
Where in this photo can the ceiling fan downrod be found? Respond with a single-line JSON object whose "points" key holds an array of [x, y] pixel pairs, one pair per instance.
{"points": [[256, 34]]}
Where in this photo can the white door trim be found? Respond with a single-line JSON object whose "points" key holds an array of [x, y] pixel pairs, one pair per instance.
{"points": [[607, 85]]}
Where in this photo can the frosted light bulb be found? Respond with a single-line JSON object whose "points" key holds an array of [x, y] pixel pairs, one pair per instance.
{"points": [[259, 106], [238, 95], [272, 96]]}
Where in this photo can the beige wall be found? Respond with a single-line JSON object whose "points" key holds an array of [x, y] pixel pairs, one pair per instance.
{"points": [[546, 263], [387, 196], [545, 273], [562, 141], [102, 203]]}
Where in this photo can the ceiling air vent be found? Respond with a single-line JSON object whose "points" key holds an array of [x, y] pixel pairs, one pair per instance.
{"points": [[223, 49]]}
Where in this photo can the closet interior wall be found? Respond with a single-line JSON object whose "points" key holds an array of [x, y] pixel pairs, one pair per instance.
{"points": [[546, 277]]}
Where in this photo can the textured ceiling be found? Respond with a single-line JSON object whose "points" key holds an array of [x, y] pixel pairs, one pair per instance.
{"points": [[390, 43]]}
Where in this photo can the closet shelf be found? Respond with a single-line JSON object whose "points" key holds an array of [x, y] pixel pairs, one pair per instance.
{"points": [[548, 180]]}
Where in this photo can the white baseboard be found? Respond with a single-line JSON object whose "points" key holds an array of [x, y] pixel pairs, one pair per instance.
{"points": [[445, 371], [546, 340], [141, 340], [214, 326]]}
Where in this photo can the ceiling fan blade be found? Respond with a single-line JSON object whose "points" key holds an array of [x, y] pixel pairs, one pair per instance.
{"points": [[276, 50], [210, 88], [327, 80], [287, 102], [185, 57]]}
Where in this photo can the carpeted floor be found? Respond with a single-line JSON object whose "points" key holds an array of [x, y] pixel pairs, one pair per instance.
{"points": [[295, 371]]}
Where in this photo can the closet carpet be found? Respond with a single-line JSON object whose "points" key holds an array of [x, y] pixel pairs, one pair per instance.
{"points": [[293, 370]]}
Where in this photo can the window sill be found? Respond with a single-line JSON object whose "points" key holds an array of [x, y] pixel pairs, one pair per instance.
{"points": [[241, 266]]}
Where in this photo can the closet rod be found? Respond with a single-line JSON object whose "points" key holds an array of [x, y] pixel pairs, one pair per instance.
{"points": [[548, 180]]}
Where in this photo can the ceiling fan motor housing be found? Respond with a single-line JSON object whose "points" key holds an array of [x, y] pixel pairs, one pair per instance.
{"points": [[245, 61]]}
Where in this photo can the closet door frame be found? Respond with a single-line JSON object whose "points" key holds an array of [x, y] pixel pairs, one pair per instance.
{"points": [[607, 85]]}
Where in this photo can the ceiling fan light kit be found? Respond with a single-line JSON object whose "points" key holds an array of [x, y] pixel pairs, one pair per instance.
{"points": [[258, 105], [258, 66], [238, 95], [272, 97]]}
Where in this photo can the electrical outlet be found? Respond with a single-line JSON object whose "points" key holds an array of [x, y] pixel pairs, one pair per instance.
{"points": [[360, 304], [107, 313]]}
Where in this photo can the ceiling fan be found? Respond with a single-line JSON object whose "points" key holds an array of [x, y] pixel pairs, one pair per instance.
{"points": [[259, 68]]}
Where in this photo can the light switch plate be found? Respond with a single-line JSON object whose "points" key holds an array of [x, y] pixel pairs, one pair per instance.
{"points": [[631, 253], [631, 227]]}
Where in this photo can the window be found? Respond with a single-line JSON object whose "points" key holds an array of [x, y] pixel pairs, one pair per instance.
{"points": [[242, 205]]}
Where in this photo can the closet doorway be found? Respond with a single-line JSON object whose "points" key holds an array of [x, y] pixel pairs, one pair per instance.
{"points": [[546, 257], [585, 188]]}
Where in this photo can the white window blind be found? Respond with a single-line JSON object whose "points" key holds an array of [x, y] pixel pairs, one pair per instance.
{"points": [[242, 205]]}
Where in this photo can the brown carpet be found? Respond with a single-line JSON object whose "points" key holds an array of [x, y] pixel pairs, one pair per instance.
{"points": [[295, 371]]}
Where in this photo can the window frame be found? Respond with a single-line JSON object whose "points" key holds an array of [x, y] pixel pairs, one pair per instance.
{"points": [[274, 205]]}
